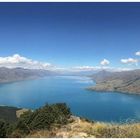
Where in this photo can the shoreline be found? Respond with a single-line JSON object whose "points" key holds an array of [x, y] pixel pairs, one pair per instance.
{"points": [[92, 88], [20, 110]]}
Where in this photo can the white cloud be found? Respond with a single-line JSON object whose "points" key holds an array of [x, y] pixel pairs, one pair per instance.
{"points": [[130, 61], [137, 53], [118, 69], [18, 61], [104, 62], [84, 68], [98, 68]]}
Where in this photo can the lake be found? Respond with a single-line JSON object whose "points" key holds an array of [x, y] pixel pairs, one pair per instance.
{"points": [[107, 106]]}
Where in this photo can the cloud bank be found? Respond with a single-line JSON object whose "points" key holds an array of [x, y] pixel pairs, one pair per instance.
{"points": [[18, 61], [98, 68], [84, 68], [130, 61]]}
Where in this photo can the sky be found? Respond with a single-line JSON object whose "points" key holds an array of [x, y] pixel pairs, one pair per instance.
{"points": [[70, 35]]}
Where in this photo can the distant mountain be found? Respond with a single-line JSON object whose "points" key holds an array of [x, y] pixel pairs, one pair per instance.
{"points": [[17, 74], [76, 73], [125, 81]]}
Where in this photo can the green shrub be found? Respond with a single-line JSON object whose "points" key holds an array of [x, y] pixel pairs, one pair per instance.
{"points": [[2, 129], [61, 113], [45, 116], [42, 118], [17, 134], [23, 127]]}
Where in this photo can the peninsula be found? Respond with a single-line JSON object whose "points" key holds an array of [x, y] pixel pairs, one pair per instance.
{"points": [[124, 81]]}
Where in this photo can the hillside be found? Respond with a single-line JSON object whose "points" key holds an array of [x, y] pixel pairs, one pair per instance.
{"points": [[8, 113], [125, 81], [56, 121], [18, 74], [82, 128]]}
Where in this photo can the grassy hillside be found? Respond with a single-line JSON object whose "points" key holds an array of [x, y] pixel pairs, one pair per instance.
{"points": [[81, 128], [29, 121], [57, 121]]}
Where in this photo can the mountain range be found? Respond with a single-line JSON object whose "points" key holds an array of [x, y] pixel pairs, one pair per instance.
{"points": [[18, 74]]}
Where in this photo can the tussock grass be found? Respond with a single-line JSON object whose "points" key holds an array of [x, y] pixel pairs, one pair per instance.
{"points": [[106, 130], [81, 128]]}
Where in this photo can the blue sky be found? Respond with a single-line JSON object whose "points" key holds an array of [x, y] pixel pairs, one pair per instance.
{"points": [[71, 34]]}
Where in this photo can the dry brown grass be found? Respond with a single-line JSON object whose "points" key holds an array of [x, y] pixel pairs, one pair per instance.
{"points": [[104, 130], [80, 128], [20, 112]]}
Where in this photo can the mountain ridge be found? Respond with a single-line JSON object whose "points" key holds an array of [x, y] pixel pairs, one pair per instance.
{"points": [[19, 74]]}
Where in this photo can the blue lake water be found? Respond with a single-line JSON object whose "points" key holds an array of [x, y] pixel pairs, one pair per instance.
{"points": [[107, 106]]}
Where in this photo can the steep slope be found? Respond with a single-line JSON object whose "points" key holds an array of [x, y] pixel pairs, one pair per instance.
{"points": [[17, 74]]}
